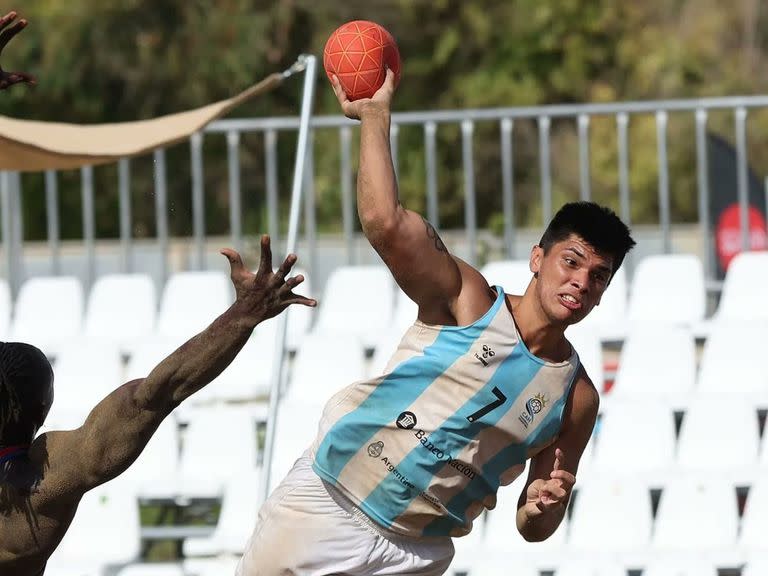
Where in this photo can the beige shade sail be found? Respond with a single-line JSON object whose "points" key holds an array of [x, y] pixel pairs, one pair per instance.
{"points": [[31, 146]]}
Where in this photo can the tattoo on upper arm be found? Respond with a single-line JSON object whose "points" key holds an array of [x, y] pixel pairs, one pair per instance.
{"points": [[432, 234]]}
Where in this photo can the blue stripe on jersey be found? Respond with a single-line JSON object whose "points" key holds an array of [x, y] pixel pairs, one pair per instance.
{"points": [[391, 498], [489, 480], [395, 393]]}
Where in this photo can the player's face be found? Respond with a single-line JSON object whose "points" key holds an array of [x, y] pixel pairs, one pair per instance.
{"points": [[571, 279]]}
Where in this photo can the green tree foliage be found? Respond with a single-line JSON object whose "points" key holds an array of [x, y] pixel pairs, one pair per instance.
{"points": [[109, 60]]}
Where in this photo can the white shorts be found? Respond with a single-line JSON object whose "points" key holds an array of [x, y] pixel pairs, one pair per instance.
{"points": [[308, 528]]}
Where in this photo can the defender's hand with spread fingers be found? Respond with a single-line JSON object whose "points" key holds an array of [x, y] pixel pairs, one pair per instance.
{"points": [[7, 32]]}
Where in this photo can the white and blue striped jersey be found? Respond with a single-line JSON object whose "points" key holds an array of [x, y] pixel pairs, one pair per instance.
{"points": [[423, 448]]}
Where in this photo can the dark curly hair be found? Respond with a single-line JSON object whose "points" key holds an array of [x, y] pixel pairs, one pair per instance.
{"points": [[26, 391]]}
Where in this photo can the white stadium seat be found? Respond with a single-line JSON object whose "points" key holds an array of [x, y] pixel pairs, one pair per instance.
{"points": [[406, 311], [152, 569], [589, 567], [219, 443], [357, 301], [85, 373], [727, 365], [48, 312], [754, 526], [627, 429], [501, 537], [496, 566], [386, 346], [324, 365], [719, 436], [610, 316], [147, 355], [299, 317], [121, 308], [611, 515], [239, 509], [687, 566], [512, 275], [153, 473], [94, 541], [757, 565], [657, 364], [696, 514], [586, 341], [296, 429], [218, 566], [667, 289], [191, 301], [248, 377], [743, 296]]}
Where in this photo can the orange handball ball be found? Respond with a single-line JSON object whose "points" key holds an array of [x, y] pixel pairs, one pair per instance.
{"points": [[359, 53]]}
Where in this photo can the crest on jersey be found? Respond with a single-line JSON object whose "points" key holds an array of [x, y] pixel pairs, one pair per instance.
{"points": [[375, 449], [533, 407]]}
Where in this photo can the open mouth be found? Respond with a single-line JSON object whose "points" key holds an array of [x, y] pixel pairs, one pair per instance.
{"points": [[570, 302]]}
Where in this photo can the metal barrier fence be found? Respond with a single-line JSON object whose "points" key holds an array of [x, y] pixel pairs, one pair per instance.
{"points": [[270, 128]]}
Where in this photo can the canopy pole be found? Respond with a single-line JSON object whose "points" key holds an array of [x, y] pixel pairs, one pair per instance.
{"points": [[308, 64]]}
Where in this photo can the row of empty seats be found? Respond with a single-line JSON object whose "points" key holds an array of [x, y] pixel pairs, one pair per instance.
{"points": [[122, 309], [360, 302], [619, 521], [664, 290]]}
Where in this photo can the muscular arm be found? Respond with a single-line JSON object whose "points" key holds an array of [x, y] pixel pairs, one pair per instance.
{"points": [[118, 428], [552, 473], [408, 244]]}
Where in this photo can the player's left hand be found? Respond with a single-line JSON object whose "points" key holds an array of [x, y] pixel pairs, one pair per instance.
{"points": [[10, 78], [546, 495]]}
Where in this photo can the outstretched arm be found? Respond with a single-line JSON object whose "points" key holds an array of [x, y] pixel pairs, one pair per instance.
{"points": [[408, 244], [10, 78], [552, 473], [118, 428]]}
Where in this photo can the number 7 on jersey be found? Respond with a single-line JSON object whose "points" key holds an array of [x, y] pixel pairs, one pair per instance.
{"points": [[500, 399]]}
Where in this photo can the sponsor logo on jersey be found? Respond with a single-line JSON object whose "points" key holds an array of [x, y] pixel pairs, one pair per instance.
{"points": [[486, 354], [406, 420]]}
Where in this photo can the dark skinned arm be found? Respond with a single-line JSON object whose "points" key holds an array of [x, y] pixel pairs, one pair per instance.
{"points": [[118, 428], [9, 29]]}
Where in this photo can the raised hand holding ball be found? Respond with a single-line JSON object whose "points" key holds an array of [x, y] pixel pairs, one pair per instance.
{"points": [[358, 53]]}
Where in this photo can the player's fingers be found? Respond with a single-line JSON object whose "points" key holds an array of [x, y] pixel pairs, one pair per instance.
{"points": [[544, 506], [10, 32], [303, 300], [17, 77], [235, 261], [285, 267], [338, 90], [563, 475], [293, 281], [265, 259], [7, 19], [552, 494], [558, 459], [389, 79]]}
